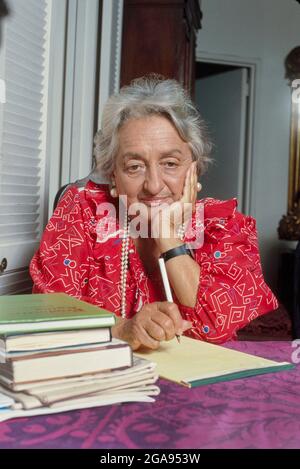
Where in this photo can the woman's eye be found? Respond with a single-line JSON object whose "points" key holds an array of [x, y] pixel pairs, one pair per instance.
{"points": [[171, 164], [134, 168]]}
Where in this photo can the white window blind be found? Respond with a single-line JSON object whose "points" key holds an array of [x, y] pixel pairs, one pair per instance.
{"points": [[24, 55]]}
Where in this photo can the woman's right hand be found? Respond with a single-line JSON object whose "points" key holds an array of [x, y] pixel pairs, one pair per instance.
{"points": [[154, 323]]}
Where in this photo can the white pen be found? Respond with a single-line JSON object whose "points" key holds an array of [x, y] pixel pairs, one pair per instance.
{"points": [[166, 283]]}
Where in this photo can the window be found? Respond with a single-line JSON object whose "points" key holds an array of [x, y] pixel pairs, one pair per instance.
{"points": [[24, 54], [50, 72]]}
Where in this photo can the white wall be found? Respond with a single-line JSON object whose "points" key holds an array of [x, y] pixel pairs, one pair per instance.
{"points": [[263, 30]]}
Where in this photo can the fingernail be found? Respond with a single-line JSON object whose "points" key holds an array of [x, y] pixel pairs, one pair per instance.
{"points": [[186, 325]]}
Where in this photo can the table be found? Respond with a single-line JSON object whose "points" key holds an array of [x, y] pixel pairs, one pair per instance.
{"points": [[256, 412]]}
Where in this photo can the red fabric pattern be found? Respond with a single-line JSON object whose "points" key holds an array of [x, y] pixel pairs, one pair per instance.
{"points": [[73, 258]]}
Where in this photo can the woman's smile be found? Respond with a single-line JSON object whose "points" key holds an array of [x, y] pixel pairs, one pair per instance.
{"points": [[155, 201]]}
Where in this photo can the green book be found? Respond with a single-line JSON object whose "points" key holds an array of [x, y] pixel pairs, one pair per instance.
{"points": [[49, 312]]}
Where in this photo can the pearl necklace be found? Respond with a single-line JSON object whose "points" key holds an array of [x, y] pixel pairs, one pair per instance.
{"points": [[124, 261], [124, 266]]}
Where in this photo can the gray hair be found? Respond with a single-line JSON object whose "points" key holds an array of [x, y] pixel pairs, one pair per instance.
{"points": [[143, 97]]}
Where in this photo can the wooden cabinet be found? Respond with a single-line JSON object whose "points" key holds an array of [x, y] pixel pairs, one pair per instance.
{"points": [[159, 36]]}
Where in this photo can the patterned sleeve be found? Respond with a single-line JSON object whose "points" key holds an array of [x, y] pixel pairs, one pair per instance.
{"points": [[62, 262], [232, 291]]}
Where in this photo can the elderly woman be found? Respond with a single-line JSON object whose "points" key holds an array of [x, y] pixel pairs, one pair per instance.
{"points": [[151, 149]]}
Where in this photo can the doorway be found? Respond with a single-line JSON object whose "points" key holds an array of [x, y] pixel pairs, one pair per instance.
{"points": [[222, 95]]}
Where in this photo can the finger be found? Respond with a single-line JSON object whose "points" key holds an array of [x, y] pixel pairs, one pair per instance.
{"points": [[137, 330], [192, 195], [192, 176], [194, 184], [186, 325], [171, 309], [191, 185], [186, 189], [165, 325], [177, 214], [192, 189], [147, 340]]}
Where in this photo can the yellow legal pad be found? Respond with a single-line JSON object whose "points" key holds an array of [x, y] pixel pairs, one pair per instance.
{"points": [[195, 363]]}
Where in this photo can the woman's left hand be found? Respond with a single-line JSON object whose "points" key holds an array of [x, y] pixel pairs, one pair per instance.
{"points": [[167, 221]]}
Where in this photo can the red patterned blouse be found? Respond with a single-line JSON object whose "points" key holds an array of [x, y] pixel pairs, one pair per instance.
{"points": [[73, 258]]}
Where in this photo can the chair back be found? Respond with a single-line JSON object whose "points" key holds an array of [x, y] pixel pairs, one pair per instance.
{"points": [[79, 183]]}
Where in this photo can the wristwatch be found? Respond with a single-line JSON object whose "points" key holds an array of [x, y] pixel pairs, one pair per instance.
{"points": [[178, 251]]}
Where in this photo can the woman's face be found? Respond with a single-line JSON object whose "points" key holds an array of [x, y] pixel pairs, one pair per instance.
{"points": [[151, 162]]}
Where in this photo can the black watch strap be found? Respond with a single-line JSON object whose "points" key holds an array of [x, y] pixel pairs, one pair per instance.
{"points": [[178, 251]]}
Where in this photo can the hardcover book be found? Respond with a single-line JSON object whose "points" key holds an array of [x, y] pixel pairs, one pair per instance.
{"points": [[49, 311], [52, 340], [73, 361]]}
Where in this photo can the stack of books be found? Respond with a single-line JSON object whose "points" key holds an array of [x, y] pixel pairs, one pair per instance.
{"points": [[57, 353]]}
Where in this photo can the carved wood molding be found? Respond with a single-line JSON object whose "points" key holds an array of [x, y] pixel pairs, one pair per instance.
{"points": [[289, 225]]}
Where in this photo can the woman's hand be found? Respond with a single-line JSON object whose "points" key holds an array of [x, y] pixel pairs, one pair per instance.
{"points": [[154, 323], [167, 221]]}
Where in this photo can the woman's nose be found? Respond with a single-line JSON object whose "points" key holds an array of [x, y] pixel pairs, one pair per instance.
{"points": [[153, 183]]}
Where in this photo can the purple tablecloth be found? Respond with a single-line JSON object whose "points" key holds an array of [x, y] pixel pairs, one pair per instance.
{"points": [[256, 412]]}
